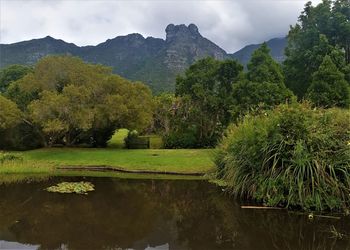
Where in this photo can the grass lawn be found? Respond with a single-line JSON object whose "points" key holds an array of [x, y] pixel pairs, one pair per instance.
{"points": [[182, 160], [163, 160], [47, 160]]}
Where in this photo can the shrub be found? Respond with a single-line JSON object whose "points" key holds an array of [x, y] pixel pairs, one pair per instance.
{"points": [[21, 137], [180, 140], [134, 141], [292, 156]]}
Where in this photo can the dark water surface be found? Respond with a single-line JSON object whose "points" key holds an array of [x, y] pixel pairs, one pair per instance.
{"points": [[152, 214]]}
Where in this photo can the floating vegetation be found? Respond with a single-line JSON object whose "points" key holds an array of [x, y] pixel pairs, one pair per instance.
{"points": [[72, 187]]}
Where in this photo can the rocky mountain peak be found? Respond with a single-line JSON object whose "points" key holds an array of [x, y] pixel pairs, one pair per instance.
{"points": [[135, 36], [181, 31], [49, 38]]}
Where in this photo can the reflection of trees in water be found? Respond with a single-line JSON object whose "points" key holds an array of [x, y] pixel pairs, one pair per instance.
{"points": [[280, 230], [138, 213]]}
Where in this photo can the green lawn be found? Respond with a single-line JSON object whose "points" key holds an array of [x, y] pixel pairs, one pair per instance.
{"points": [[117, 140], [164, 160], [183, 160], [47, 160]]}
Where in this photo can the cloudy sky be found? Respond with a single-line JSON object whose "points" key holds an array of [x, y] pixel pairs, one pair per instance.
{"points": [[231, 24]]}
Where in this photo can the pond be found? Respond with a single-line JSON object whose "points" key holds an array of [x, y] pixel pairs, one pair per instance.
{"points": [[153, 214]]}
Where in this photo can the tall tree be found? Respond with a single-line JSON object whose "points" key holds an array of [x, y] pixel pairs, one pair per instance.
{"points": [[264, 87], [206, 93], [320, 30], [10, 115], [328, 87], [263, 68]]}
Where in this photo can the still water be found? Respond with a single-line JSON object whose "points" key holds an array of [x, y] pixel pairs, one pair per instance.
{"points": [[152, 215]]}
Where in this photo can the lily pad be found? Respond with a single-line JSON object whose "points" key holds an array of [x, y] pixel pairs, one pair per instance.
{"points": [[72, 187]]}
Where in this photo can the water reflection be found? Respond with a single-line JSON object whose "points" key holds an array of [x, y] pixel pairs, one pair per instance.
{"points": [[152, 214], [15, 245]]}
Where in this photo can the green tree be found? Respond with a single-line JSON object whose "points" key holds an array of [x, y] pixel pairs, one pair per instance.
{"points": [[12, 73], [206, 93], [340, 23], [263, 68], [255, 97], [73, 102], [164, 105], [328, 87], [319, 31], [264, 87]]}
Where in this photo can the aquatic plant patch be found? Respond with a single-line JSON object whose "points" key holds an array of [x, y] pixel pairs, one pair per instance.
{"points": [[72, 187]]}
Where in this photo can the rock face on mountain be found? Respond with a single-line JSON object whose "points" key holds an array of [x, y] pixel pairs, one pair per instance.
{"points": [[153, 61]]}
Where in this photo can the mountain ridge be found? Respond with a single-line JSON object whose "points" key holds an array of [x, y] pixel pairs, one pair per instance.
{"points": [[154, 61]]}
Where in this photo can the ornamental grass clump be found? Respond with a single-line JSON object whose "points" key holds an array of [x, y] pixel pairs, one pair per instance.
{"points": [[292, 156], [6, 157]]}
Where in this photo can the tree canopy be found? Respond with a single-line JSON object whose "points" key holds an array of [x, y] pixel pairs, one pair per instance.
{"points": [[72, 102], [10, 115], [263, 68], [321, 30], [263, 87], [206, 98], [328, 87], [12, 73]]}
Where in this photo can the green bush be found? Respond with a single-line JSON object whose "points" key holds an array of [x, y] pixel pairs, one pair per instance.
{"points": [[134, 141], [155, 141], [292, 156], [21, 137], [180, 140]]}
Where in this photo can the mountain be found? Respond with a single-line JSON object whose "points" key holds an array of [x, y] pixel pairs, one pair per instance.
{"points": [[277, 46], [153, 61]]}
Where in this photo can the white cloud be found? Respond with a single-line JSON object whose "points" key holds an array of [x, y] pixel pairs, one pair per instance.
{"points": [[230, 24]]}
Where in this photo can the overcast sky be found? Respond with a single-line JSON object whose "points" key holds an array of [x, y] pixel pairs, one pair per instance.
{"points": [[231, 24]]}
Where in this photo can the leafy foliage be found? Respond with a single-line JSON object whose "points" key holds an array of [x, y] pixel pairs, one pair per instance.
{"points": [[12, 73], [263, 68], [264, 87], [205, 98], [134, 141], [292, 156], [10, 115], [70, 102], [254, 97], [328, 87], [321, 30]]}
